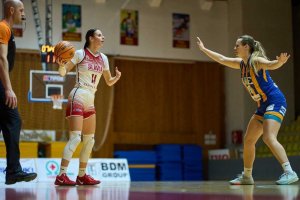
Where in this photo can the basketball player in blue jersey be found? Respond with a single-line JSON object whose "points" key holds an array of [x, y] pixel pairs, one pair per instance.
{"points": [[271, 104]]}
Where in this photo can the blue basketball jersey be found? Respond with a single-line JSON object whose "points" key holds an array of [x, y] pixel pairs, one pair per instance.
{"points": [[264, 91]]}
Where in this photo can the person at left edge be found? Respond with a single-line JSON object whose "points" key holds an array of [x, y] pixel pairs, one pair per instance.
{"points": [[10, 120]]}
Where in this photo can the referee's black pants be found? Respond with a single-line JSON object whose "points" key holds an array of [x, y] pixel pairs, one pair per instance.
{"points": [[10, 124]]}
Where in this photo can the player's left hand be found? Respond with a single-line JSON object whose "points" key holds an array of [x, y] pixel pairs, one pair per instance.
{"points": [[282, 58]]}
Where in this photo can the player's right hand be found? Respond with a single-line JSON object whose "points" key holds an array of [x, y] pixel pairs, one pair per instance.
{"points": [[11, 99]]}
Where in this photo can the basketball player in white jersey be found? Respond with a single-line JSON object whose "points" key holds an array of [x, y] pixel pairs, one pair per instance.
{"points": [[90, 65]]}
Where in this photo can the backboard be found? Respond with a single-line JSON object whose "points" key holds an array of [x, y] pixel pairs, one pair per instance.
{"points": [[44, 84]]}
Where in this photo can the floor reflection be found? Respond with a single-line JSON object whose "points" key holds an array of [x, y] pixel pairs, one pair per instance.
{"points": [[149, 190]]}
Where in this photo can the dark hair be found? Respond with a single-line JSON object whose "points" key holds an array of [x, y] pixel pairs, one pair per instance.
{"points": [[88, 34]]}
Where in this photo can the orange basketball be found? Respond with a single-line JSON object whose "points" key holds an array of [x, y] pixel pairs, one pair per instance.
{"points": [[64, 51]]}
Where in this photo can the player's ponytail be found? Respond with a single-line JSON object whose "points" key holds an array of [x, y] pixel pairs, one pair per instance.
{"points": [[89, 33], [259, 51]]}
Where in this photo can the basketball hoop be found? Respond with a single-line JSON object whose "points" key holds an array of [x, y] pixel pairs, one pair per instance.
{"points": [[57, 101]]}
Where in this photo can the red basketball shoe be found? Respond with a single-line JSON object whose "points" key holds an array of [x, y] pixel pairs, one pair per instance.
{"points": [[86, 180], [64, 180]]}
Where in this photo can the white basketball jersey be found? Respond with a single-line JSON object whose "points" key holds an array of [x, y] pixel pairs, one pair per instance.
{"points": [[89, 68]]}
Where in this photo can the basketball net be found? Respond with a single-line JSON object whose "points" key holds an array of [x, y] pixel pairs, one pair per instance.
{"points": [[57, 101]]}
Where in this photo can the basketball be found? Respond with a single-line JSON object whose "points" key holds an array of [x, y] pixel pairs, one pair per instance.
{"points": [[64, 51]]}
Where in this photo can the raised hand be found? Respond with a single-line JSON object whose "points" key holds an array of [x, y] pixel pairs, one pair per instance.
{"points": [[200, 44], [282, 58]]}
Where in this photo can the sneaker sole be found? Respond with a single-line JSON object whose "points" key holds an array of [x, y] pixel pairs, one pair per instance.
{"points": [[88, 184], [290, 182], [64, 184], [27, 179]]}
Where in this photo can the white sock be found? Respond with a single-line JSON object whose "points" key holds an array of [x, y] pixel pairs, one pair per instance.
{"points": [[248, 172], [62, 170], [81, 172], [287, 167]]}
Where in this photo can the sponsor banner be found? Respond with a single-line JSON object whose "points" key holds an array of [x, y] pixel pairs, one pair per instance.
{"points": [[48, 169], [2, 170], [28, 165], [100, 169], [109, 169]]}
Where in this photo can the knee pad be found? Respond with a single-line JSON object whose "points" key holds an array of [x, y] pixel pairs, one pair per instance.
{"points": [[88, 143], [75, 139]]}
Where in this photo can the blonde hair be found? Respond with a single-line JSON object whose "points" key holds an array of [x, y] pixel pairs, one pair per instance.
{"points": [[256, 50]]}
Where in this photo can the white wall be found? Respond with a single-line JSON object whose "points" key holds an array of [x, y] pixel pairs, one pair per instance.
{"points": [[155, 26]]}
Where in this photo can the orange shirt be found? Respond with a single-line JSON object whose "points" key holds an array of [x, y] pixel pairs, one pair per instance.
{"points": [[5, 32]]}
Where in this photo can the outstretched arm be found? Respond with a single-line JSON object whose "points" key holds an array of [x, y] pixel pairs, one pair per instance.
{"points": [[109, 79], [272, 64], [229, 62]]}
